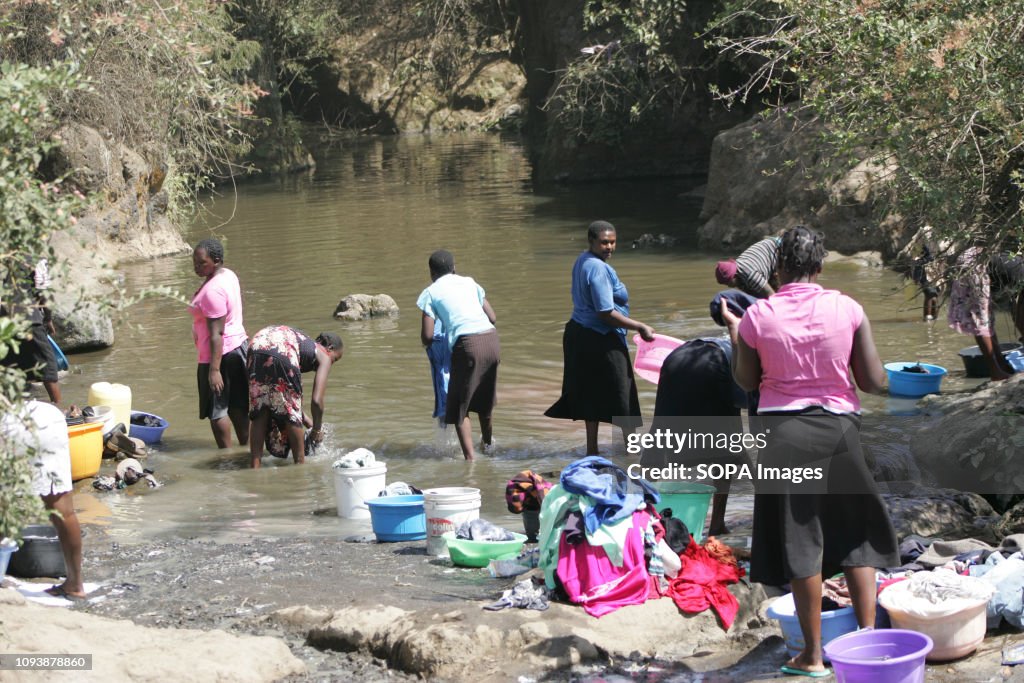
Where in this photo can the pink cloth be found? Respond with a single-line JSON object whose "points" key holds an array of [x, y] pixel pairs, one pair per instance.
{"points": [[701, 584], [803, 335], [219, 297], [590, 579]]}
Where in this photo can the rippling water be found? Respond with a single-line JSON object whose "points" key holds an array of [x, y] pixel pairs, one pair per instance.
{"points": [[366, 221]]}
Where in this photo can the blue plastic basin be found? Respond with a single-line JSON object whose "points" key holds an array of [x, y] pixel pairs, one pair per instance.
{"points": [[914, 384], [398, 518]]}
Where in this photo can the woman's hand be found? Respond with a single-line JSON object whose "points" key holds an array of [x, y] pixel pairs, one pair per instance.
{"points": [[317, 435], [646, 332], [732, 321], [216, 381]]}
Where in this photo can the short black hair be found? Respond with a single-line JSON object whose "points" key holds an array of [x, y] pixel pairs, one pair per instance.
{"points": [[213, 248], [330, 340], [441, 262], [802, 251], [595, 229]]}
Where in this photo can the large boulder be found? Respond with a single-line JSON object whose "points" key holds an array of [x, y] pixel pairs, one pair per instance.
{"points": [[363, 306], [769, 174], [973, 440]]}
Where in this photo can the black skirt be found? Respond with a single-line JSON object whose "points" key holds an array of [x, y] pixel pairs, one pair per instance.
{"points": [[597, 378], [843, 524]]}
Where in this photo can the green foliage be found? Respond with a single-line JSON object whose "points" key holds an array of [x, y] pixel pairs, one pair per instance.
{"points": [[638, 70], [931, 88], [31, 209]]}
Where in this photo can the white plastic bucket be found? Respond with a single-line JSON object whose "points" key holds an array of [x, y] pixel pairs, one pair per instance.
{"points": [[447, 508], [353, 486]]}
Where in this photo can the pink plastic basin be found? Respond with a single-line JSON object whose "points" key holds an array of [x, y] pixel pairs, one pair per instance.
{"points": [[650, 355]]}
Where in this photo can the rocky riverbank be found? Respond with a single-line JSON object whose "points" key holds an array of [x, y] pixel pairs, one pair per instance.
{"points": [[328, 609]]}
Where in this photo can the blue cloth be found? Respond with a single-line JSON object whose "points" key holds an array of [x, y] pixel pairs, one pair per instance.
{"points": [[615, 495], [457, 301], [440, 357], [737, 301], [596, 288], [1008, 578]]}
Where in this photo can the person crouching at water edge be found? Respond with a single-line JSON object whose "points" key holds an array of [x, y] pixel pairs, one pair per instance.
{"points": [[458, 302], [278, 355]]}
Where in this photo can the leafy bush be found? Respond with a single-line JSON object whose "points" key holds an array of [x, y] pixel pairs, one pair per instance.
{"points": [[31, 209], [931, 88]]}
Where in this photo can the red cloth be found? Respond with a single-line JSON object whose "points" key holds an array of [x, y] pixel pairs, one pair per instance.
{"points": [[702, 583], [590, 579]]}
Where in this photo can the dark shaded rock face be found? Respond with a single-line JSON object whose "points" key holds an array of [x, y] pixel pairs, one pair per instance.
{"points": [[940, 513], [677, 141]]}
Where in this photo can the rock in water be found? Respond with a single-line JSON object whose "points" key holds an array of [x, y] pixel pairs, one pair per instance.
{"points": [[363, 306]]}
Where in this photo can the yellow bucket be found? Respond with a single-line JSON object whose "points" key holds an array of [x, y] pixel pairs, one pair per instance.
{"points": [[85, 441]]}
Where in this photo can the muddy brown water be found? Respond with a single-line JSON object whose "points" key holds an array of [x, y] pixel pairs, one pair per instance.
{"points": [[366, 221]]}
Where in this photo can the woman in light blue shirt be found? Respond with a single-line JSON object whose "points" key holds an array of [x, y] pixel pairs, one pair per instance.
{"points": [[597, 380], [468, 319]]}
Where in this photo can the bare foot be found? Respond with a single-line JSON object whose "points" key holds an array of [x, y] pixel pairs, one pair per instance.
{"points": [[722, 530]]}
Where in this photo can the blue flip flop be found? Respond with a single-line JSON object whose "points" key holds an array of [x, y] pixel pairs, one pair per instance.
{"points": [[793, 671]]}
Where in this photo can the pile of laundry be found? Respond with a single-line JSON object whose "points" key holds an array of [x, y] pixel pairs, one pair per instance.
{"points": [[604, 545], [1001, 567]]}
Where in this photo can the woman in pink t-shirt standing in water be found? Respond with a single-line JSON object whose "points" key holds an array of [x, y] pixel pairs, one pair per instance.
{"points": [[221, 345], [798, 348]]}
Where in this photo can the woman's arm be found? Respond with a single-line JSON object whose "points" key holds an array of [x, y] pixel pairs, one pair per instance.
{"points": [[613, 318], [868, 372], [746, 364], [489, 312], [216, 328], [319, 392], [427, 330]]}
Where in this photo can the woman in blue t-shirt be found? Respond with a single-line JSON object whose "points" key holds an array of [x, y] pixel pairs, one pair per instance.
{"points": [[468, 319], [597, 379]]}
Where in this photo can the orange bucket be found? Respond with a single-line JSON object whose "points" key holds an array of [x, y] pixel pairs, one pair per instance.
{"points": [[85, 442]]}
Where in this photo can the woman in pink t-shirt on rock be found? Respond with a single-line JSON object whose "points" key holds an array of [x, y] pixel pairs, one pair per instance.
{"points": [[799, 347], [221, 345]]}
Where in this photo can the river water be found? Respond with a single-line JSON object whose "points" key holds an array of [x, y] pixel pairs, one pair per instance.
{"points": [[366, 221]]}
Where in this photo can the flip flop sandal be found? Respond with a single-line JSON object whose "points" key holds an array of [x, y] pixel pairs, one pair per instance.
{"points": [[794, 671]]}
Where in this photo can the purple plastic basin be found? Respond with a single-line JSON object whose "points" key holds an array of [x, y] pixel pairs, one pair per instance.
{"points": [[874, 656]]}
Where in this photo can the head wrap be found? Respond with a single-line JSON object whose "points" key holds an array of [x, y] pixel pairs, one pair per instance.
{"points": [[725, 271]]}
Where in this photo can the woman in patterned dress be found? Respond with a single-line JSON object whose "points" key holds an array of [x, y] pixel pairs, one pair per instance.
{"points": [[278, 355]]}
